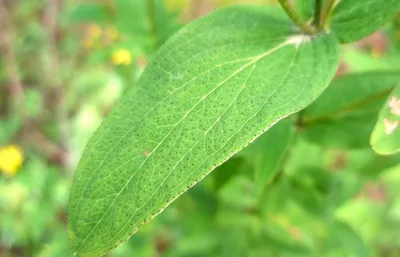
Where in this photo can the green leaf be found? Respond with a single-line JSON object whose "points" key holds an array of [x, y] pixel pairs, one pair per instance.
{"points": [[278, 238], [212, 89], [91, 12], [165, 22], [125, 11], [240, 192], [315, 178], [378, 164], [345, 114], [9, 128], [353, 20], [267, 152], [342, 236], [309, 198], [385, 138], [227, 170], [304, 154]]}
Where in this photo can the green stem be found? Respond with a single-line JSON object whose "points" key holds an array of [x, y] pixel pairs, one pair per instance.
{"points": [[317, 13], [295, 17], [325, 13]]}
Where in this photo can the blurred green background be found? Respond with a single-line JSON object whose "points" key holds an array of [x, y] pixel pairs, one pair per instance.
{"points": [[64, 64]]}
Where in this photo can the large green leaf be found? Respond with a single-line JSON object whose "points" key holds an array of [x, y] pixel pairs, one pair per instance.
{"points": [[209, 91], [385, 138], [353, 20], [345, 114]]}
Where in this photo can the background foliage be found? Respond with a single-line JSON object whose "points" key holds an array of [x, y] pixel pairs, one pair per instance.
{"points": [[65, 63]]}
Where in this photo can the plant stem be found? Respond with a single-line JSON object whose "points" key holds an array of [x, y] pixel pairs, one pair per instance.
{"points": [[317, 13], [295, 17], [325, 13]]}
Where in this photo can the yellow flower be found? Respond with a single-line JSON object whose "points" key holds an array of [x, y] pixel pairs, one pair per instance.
{"points": [[11, 158], [121, 57]]}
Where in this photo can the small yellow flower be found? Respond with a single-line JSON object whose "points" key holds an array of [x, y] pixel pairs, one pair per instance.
{"points": [[11, 158], [121, 57]]}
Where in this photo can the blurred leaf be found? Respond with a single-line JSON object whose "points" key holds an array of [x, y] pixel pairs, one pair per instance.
{"points": [[316, 178], [57, 246], [304, 154], [319, 192], [33, 102], [379, 164], [8, 128], [240, 192], [275, 197], [350, 131], [359, 60], [235, 243], [283, 240], [197, 244], [227, 170], [385, 138], [345, 237], [182, 121], [165, 22], [356, 19], [363, 214], [266, 153], [91, 13], [346, 112], [132, 18], [309, 199], [204, 198]]}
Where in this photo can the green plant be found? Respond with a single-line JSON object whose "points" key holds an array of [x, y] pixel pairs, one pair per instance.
{"points": [[211, 90]]}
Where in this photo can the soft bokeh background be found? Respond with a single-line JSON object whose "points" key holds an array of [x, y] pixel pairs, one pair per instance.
{"points": [[64, 64]]}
